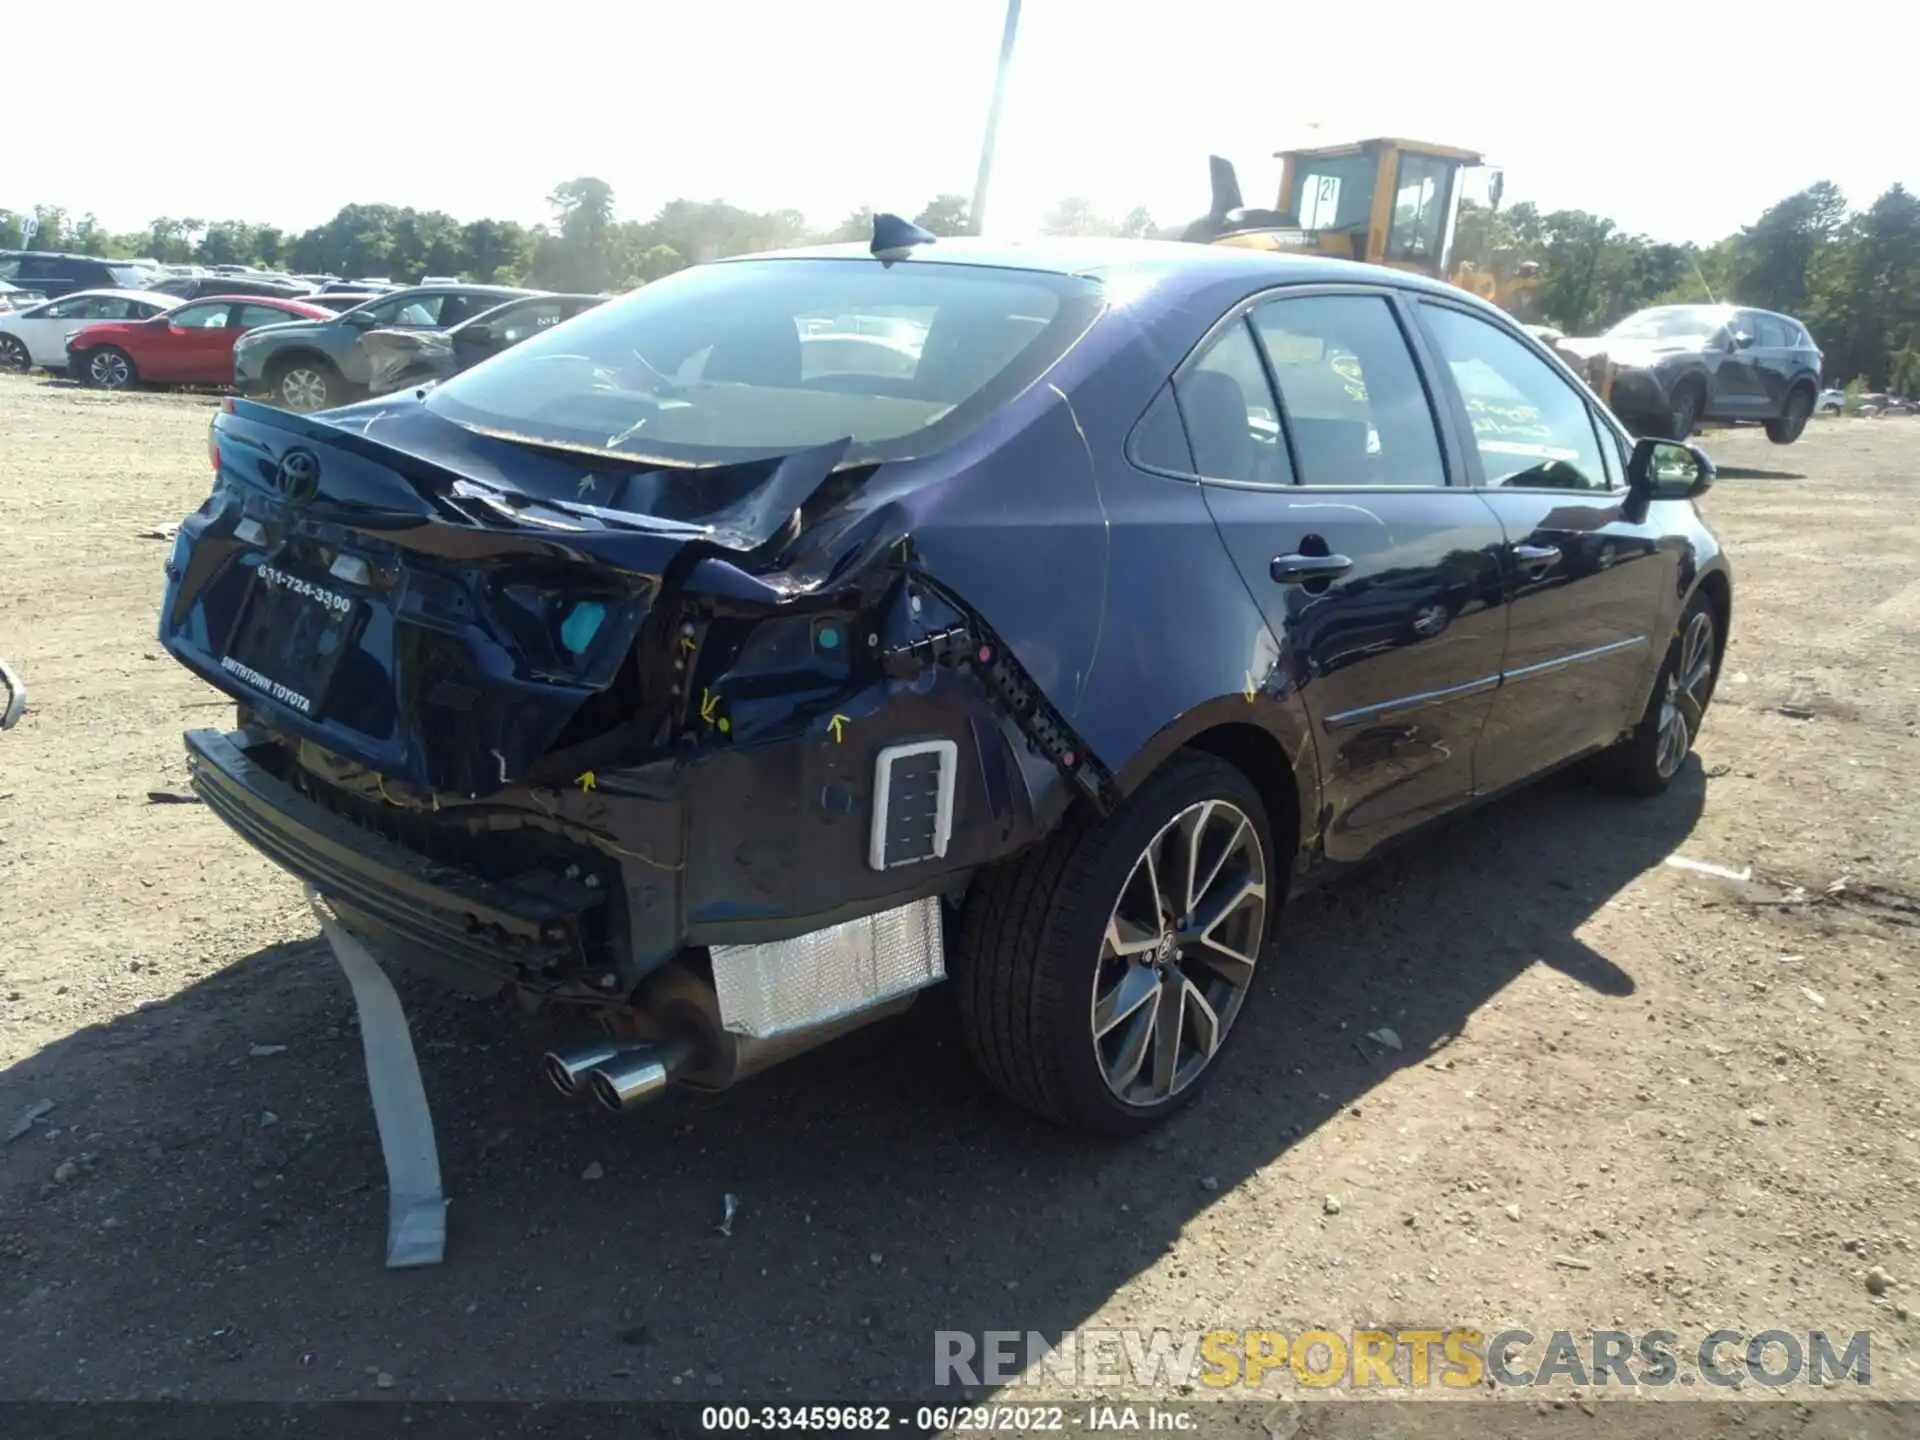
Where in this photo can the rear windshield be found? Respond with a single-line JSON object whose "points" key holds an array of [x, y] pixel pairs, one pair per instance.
{"points": [[745, 359], [130, 277]]}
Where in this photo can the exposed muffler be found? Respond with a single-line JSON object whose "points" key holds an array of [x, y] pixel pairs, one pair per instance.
{"points": [[567, 1069], [637, 1073]]}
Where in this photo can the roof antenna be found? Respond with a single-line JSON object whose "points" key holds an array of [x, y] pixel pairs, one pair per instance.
{"points": [[894, 238], [1699, 275]]}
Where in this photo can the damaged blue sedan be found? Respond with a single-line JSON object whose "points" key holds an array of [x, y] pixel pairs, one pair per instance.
{"points": [[737, 660]]}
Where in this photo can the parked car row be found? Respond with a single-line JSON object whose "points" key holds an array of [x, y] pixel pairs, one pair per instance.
{"points": [[305, 352]]}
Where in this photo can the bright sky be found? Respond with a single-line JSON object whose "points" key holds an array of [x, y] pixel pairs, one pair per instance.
{"points": [[1679, 118]]}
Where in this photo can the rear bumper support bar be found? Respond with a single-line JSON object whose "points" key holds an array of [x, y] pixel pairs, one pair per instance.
{"points": [[416, 1207]]}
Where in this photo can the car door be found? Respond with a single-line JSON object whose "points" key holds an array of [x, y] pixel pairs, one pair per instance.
{"points": [[408, 310], [198, 341], [1773, 361], [1381, 579], [243, 319], [1737, 391], [1584, 576]]}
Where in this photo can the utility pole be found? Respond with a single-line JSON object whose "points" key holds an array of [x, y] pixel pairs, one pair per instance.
{"points": [[977, 212]]}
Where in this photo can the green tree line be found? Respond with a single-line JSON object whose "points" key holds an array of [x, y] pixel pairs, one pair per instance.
{"points": [[1852, 276]]}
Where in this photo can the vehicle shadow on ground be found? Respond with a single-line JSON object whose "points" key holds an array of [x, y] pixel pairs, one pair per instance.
{"points": [[1752, 472], [883, 1194]]}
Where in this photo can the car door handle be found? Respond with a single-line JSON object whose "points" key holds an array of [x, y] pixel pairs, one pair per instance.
{"points": [[1536, 557], [1299, 569]]}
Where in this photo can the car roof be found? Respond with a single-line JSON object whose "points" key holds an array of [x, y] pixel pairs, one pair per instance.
{"points": [[272, 302], [150, 297], [1146, 260]]}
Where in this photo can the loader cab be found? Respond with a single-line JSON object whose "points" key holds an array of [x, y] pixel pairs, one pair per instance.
{"points": [[1386, 201]]}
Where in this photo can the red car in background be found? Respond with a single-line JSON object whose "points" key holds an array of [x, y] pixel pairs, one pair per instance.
{"points": [[190, 345]]}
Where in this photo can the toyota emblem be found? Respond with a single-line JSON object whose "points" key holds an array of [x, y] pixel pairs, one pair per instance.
{"points": [[298, 476]]}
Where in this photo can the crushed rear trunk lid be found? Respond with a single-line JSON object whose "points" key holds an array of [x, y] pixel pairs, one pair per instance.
{"points": [[378, 586]]}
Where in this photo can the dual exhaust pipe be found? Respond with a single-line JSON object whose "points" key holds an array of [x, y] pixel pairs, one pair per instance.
{"points": [[619, 1076]]}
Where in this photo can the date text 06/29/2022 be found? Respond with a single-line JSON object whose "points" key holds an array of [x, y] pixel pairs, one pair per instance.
{"points": [[948, 1419]]}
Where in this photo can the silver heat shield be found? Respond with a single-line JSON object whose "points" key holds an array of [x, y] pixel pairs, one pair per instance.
{"points": [[790, 985]]}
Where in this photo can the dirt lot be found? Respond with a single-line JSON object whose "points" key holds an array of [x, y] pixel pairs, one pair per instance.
{"points": [[1628, 1096]]}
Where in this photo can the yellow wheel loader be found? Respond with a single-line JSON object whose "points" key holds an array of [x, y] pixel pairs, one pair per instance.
{"points": [[1385, 202]]}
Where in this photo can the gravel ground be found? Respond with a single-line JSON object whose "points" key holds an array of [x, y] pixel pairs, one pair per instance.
{"points": [[1626, 1096]]}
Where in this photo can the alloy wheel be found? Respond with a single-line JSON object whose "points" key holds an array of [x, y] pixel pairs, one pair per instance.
{"points": [[109, 370], [304, 388], [1688, 686], [1179, 952], [13, 355]]}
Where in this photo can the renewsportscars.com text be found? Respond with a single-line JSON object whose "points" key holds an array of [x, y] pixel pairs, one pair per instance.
{"points": [[1458, 1358]]}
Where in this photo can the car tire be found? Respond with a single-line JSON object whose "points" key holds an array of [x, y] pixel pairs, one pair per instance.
{"points": [[304, 385], [1680, 422], [1793, 417], [1646, 761], [1082, 996], [108, 368], [14, 354]]}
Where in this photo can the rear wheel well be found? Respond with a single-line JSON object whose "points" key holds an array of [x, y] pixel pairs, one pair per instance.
{"points": [[1262, 759]]}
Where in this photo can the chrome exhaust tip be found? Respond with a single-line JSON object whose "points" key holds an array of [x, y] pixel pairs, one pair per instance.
{"points": [[636, 1075], [566, 1069]]}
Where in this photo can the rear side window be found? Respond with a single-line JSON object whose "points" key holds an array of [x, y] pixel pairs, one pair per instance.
{"points": [[1159, 440], [251, 316], [1232, 422], [1356, 410], [713, 364], [1776, 333], [1532, 429]]}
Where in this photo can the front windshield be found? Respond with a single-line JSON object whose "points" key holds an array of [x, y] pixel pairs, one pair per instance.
{"points": [[747, 359], [1677, 322], [1333, 192]]}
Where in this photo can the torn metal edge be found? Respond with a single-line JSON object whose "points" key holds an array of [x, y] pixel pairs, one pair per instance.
{"points": [[416, 1205]]}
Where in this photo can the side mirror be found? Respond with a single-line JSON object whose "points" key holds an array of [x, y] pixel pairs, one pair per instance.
{"points": [[359, 319], [1742, 340], [1668, 470], [478, 334]]}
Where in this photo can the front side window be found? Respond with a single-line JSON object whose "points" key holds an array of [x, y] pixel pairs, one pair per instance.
{"points": [[408, 311], [1232, 423], [207, 316], [77, 308], [1421, 194], [1532, 429], [711, 366], [1356, 411], [525, 320]]}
